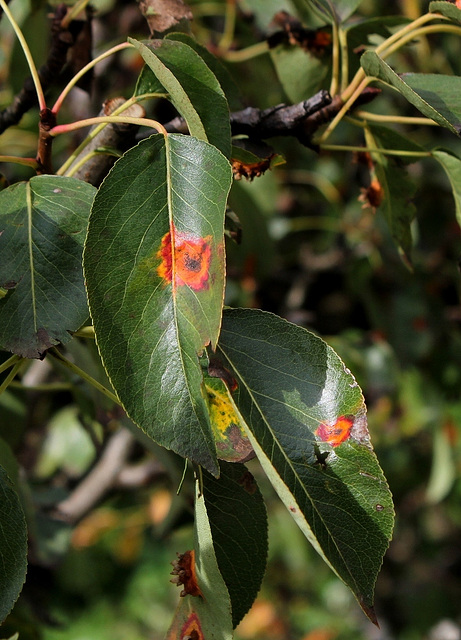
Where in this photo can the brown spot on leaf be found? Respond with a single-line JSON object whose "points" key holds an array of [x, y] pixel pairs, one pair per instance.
{"points": [[184, 574], [315, 41]]}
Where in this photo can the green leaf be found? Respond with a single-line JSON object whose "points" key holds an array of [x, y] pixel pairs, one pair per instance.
{"points": [[288, 61], [238, 523], [447, 9], [336, 11], [42, 229], [13, 546], [222, 74], [390, 139], [154, 308], [306, 419], [397, 186], [435, 95], [452, 166], [192, 87], [208, 615]]}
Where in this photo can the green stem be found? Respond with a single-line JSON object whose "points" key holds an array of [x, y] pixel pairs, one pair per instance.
{"points": [[49, 387], [26, 162], [335, 61], [375, 117], [437, 28], [63, 169], [10, 376], [249, 53], [387, 152], [409, 28], [91, 154], [90, 65], [54, 353], [87, 122], [345, 108], [28, 55], [229, 26], [73, 13], [9, 363], [342, 34]]}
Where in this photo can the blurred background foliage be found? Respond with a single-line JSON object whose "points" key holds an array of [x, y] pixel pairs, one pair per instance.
{"points": [[314, 252]]}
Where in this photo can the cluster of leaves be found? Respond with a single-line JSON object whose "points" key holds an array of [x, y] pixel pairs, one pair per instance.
{"points": [[144, 254]]}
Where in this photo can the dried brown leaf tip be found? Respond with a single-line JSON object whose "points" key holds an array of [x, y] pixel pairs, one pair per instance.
{"points": [[314, 41], [164, 14], [184, 574]]}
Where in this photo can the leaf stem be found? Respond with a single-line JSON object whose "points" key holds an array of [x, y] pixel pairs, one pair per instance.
{"points": [[388, 152], [229, 26], [345, 108], [9, 378], [92, 134], [27, 162], [9, 363], [248, 53], [56, 355], [28, 55], [342, 34], [87, 67], [73, 12], [87, 122], [335, 61], [423, 31], [375, 117]]}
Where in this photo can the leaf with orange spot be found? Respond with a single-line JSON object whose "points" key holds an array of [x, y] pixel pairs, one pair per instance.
{"points": [[204, 614], [306, 418], [154, 264]]}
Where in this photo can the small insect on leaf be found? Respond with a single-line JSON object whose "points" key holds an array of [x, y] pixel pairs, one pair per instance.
{"points": [[184, 574], [186, 257], [336, 433]]}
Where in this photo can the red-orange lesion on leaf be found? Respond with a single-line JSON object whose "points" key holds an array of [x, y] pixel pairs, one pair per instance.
{"points": [[185, 575], [192, 629], [336, 433], [187, 256]]}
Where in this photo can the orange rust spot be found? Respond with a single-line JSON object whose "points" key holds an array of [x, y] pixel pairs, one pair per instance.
{"points": [[336, 433], [250, 170], [192, 629], [192, 257], [184, 574]]}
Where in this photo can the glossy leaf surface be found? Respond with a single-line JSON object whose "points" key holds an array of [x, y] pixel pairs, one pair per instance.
{"points": [[206, 616], [435, 95], [13, 546], [193, 89], [42, 229], [238, 523], [154, 264], [307, 422]]}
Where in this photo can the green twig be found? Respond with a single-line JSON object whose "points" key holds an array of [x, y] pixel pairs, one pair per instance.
{"points": [[417, 33], [73, 12], [229, 26], [28, 55], [54, 353], [87, 122], [342, 35]]}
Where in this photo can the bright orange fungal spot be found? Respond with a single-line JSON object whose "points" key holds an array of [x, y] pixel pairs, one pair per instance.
{"points": [[192, 257], [336, 433]]}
